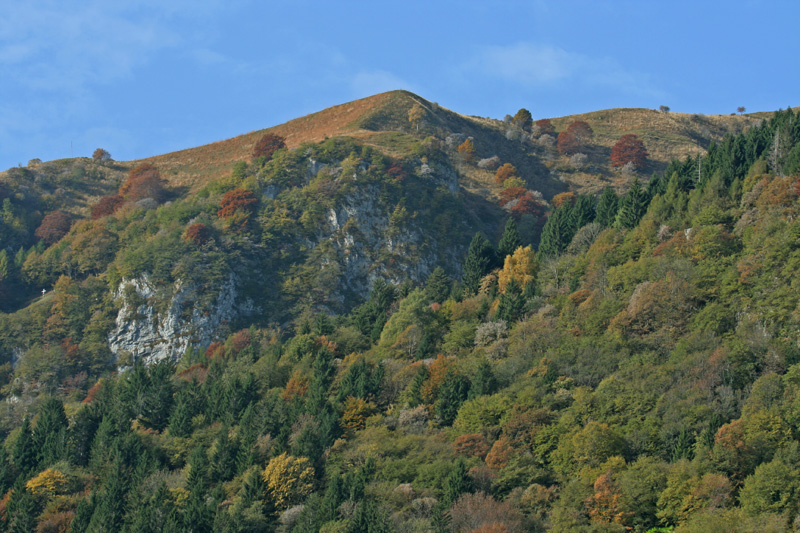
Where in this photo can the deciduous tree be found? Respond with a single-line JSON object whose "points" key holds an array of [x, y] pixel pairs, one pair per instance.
{"points": [[629, 149], [53, 227], [267, 145]]}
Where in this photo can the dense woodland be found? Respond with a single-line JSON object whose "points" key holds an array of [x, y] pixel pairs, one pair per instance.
{"points": [[606, 363]]}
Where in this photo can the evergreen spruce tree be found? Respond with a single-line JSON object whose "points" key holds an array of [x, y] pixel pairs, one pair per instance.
{"points": [[223, 459], [81, 434], [607, 208], [110, 509], [512, 303], [478, 263], [21, 511], [415, 389], [24, 453], [485, 382], [180, 420], [50, 434], [452, 393], [437, 286], [583, 212], [458, 482], [158, 402], [509, 242], [557, 233], [632, 206], [83, 514]]}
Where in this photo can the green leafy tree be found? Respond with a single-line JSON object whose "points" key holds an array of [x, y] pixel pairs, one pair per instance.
{"points": [[523, 119]]}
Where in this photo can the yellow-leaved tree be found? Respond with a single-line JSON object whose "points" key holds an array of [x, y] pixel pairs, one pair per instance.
{"points": [[48, 482], [289, 480], [520, 266]]}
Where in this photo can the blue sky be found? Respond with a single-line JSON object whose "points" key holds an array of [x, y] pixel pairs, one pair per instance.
{"points": [[140, 78]]}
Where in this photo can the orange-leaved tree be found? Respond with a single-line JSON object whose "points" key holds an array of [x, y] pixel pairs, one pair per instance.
{"points": [[267, 145], [144, 181], [504, 172], [237, 206], [629, 149]]}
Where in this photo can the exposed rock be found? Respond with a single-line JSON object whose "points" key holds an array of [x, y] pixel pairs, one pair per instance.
{"points": [[146, 334]]}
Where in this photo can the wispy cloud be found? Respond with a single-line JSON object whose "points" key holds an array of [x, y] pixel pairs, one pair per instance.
{"points": [[535, 65]]}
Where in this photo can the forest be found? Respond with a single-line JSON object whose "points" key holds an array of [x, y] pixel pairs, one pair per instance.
{"points": [[619, 361]]}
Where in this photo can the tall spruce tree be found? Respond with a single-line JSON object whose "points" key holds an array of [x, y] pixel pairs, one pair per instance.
{"points": [[437, 287], [478, 263], [632, 206], [583, 212], [509, 242], [50, 434], [557, 232], [607, 208]]}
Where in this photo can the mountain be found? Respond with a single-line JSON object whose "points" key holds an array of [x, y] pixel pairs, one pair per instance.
{"points": [[391, 329]]}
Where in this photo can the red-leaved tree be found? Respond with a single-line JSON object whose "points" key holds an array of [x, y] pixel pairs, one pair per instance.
{"points": [[53, 227], [268, 144], [546, 127], [198, 233], [106, 206], [237, 201], [144, 181], [568, 144], [629, 149], [581, 130]]}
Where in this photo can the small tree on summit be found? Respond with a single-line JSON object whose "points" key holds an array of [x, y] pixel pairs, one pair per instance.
{"points": [[101, 155], [629, 149], [523, 119], [267, 145]]}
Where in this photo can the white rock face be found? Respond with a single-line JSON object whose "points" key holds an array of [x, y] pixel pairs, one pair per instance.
{"points": [[152, 337]]}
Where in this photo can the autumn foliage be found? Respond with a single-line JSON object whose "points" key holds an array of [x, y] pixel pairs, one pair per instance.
{"points": [[504, 172], [629, 149], [237, 200], [53, 227], [467, 150], [101, 155], [197, 233], [545, 127], [144, 181], [267, 145], [106, 206]]}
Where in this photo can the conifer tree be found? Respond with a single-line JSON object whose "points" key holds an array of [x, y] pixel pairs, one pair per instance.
{"points": [[452, 393], [583, 212], [110, 509], [557, 232], [479, 261], [457, 483], [24, 453], [510, 240], [437, 286], [512, 302], [485, 381], [21, 509], [632, 206], [50, 434], [607, 208], [180, 420]]}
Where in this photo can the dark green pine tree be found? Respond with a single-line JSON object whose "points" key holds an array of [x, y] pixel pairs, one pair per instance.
{"points": [[583, 212], [50, 434], [110, 510], [223, 460], [479, 261], [7, 471], [415, 389], [81, 434], [452, 393], [607, 208], [557, 232], [457, 483], [156, 515], [22, 510], [370, 517], [509, 242], [180, 420], [317, 398], [196, 515], [485, 382], [437, 286], [24, 453], [158, 402], [512, 303], [632, 206], [83, 514]]}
